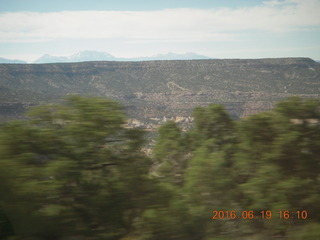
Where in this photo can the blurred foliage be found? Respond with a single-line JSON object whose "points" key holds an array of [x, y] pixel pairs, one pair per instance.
{"points": [[170, 154], [75, 172]]}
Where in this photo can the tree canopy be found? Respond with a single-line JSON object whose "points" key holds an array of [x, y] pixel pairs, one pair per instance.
{"points": [[74, 171]]}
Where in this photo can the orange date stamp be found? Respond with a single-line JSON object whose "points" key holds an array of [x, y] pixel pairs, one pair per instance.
{"points": [[282, 214]]}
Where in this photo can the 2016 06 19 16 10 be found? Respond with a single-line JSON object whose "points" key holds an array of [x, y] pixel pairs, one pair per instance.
{"points": [[265, 214]]}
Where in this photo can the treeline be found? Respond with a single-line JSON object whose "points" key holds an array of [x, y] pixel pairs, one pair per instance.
{"points": [[74, 172]]}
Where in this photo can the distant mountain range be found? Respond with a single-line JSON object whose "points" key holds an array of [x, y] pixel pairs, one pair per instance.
{"points": [[83, 56], [87, 56], [5, 60]]}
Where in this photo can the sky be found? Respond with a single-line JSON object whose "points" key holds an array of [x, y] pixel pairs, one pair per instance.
{"points": [[127, 28]]}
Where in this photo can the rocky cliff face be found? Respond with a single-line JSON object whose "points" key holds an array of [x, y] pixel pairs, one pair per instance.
{"points": [[154, 89]]}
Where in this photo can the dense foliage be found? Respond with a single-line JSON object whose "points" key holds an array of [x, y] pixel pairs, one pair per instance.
{"points": [[75, 172]]}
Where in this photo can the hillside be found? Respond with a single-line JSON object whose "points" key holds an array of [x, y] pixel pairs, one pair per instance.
{"points": [[157, 89]]}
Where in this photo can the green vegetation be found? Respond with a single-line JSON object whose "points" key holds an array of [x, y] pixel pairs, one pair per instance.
{"points": [[74, 171]]}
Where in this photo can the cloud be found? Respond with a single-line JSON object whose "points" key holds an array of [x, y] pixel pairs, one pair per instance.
{"points": [[170, 25]]}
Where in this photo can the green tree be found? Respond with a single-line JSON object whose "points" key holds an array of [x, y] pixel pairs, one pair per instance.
{"points": [[299, 143], [209, 183], [277, 162], [169, 154], [211, 124], [73, 169]]}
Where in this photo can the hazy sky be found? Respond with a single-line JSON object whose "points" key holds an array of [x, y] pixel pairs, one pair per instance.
{"points": [[127, 28]]}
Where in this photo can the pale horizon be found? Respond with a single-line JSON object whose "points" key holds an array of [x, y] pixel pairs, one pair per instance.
{"points": [[237, 29]]}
